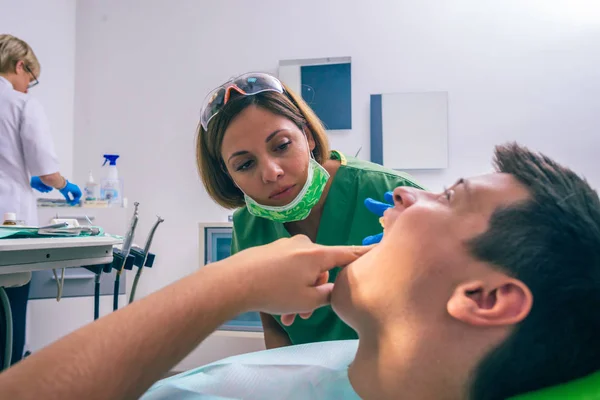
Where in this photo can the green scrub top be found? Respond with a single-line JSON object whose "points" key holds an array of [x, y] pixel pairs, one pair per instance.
{"points": [[345, 221]]}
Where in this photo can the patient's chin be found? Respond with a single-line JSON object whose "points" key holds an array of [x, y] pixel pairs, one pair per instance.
{"points": [[340, 297], [343, 299]]}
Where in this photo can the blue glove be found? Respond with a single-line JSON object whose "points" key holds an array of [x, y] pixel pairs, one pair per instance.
{"points": [[72, 193], [378, 208], [40, 186]]}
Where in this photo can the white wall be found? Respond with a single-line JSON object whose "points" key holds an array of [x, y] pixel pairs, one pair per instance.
{"points": [[49, 28], [514, 70]]}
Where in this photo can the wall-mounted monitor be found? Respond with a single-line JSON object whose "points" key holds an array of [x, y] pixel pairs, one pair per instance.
{"points": [[215, 245]]}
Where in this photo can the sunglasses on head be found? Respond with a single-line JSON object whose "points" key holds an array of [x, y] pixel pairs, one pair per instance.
{"points": [[246, 85]]}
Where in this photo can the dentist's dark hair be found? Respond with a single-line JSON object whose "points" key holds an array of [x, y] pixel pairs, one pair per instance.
{"points": [[551, 243]]}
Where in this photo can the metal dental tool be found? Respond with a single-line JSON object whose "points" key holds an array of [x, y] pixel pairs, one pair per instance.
{"points": [[125, 250], [54, 226], [146, 250], [131, 233]]}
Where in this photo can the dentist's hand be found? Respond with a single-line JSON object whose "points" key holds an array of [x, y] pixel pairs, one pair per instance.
{"points": [[40, 186], [378, 208], [287, 276], [72, 193]]}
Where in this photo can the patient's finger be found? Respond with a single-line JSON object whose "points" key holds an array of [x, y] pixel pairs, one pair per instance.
{"points": [[288, 319], [322, 279], [323, 294], [340, 256]]}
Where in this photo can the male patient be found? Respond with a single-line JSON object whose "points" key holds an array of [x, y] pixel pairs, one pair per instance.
{"points": [[491, 289], [488, 290]]}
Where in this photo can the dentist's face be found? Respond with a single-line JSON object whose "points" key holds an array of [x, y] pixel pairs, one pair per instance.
{"points": [[266, 155], [423, 254]]}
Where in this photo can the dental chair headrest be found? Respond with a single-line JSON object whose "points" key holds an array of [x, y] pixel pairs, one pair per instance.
{"points": [[586, 388]]}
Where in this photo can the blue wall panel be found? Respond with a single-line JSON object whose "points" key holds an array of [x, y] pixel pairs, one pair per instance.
{"points": [[376, 129], [327, 89]]}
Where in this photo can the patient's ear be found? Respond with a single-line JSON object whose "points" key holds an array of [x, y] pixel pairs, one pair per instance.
{"points": [[499, 301]]}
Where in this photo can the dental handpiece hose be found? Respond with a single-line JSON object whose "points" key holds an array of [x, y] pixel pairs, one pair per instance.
{"points": [[125, 250], [146, 251], [97, 296]]}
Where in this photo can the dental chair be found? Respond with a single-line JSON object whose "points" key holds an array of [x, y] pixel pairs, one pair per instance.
{"points": [[585, 388], [316, 371]]}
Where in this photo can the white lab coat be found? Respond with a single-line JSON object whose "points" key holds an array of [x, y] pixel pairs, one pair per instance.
{"points": [[26, 149]]}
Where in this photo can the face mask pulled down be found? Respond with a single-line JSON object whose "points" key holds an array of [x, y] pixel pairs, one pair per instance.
{"points": [[299, 208]]}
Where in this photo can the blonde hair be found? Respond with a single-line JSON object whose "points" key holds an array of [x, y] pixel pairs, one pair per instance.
{"points": [[13, 50], [211, 166]]}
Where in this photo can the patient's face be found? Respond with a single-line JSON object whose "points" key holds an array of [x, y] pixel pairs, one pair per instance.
{"points": [[413, 271]]}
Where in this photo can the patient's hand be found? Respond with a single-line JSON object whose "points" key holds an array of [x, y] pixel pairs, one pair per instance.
{"points": [[288, 319], [290, 275]]}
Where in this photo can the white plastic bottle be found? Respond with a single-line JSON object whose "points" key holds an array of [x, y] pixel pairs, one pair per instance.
{"points": [[110, 189], [92, 189]]}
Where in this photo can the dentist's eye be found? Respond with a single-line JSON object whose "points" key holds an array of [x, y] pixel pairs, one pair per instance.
{"points": [[244, 166], [284, 146]]}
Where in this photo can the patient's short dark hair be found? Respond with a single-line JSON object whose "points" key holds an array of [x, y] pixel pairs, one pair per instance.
{"points": [[552, 244]]}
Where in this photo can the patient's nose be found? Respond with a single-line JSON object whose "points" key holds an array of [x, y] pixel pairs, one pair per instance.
{"points": [[404, 197]]}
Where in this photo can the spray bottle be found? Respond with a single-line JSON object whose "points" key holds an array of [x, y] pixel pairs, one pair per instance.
{"points": [[111, 185]]}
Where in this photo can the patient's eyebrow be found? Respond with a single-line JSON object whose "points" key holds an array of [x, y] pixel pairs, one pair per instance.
{"points": [[466, 184]]}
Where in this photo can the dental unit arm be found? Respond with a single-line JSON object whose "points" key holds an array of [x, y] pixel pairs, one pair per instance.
{"points": [[125, 259], [131, 233], [159, 220], [125, 253]]}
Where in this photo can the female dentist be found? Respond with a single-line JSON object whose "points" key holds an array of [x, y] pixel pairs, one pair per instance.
{"points": [[261, 149], [26, 150]]}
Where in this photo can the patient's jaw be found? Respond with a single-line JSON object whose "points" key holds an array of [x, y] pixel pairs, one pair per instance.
{"points": [[425, 309]]}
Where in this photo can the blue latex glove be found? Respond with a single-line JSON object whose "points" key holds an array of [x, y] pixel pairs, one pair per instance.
{"points": [[72, 193], [40, 186], [378, 208]]}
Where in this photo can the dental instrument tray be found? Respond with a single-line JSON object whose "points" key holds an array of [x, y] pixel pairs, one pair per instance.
{"points": [[70, 231], [57, 230]]}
